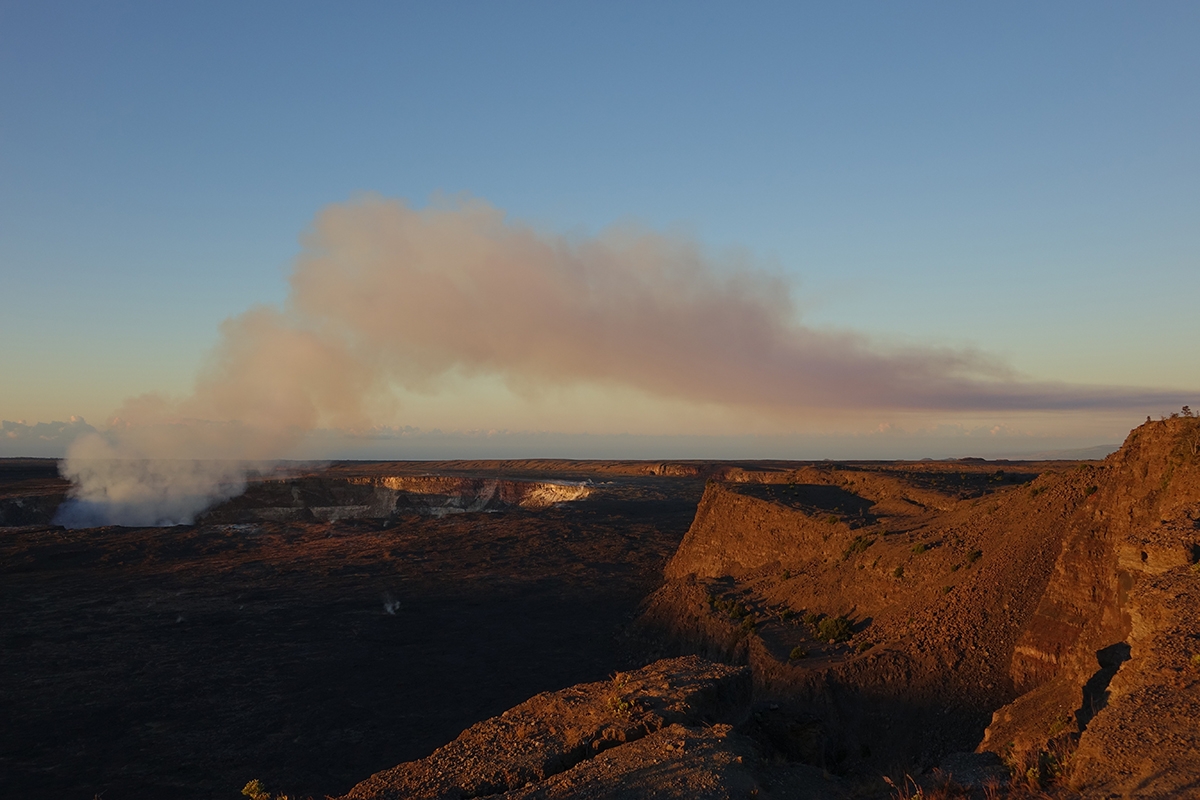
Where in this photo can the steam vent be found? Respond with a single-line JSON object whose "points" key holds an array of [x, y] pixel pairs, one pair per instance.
{"points": [[563, 629]]}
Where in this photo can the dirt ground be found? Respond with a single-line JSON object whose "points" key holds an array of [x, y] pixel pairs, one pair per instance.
{"points": [[185, 661]]}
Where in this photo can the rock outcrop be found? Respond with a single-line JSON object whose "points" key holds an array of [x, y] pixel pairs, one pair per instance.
{"points": [[1019, 604], [663, 730]]}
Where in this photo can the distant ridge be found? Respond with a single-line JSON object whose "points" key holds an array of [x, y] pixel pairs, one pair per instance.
{"points": [[1096, 452]]}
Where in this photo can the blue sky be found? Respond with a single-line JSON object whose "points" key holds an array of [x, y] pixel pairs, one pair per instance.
{"points": [[1020, 178]]}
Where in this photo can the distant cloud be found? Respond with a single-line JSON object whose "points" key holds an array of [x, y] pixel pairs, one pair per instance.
{"points": [[40, 440]]}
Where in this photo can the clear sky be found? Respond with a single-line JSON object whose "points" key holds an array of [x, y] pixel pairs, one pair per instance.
{"points": [[1017, 179]]}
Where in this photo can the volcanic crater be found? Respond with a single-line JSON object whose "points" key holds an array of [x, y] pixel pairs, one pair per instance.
{"points": [[618, 629]]}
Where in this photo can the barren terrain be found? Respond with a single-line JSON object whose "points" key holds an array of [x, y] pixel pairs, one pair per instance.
{"points": [[619, 630]]}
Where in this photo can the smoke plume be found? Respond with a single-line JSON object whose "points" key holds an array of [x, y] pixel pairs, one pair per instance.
{"points": [[386, 296]]}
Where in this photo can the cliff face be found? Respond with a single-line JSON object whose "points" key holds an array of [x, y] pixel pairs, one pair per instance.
{"points": [[1118, 620], [1021, 600]]}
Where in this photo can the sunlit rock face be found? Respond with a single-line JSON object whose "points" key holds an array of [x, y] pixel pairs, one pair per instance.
{"points": [[384, 496]]}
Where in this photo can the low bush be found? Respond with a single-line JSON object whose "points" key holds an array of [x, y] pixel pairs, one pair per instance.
{"points": [[859, 545], [835, 629]]}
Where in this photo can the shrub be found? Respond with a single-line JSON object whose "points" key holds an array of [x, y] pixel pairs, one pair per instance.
{"points": [[1089, 491], [898, 572], [835, 629], [859, 545], [787, 574], [1196, 661], [255, 790], [974, 556], [833, 519], [918, 549], [947, 589], [797, 653], [786, 614], [811, 618]]}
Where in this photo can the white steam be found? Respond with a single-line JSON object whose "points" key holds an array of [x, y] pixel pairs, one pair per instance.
{"points": [[387, 296]]}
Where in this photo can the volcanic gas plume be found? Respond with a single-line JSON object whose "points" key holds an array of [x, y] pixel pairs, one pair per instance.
{"points": [[384, 296]]}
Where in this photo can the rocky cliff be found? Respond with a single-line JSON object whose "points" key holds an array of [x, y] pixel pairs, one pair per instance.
{"points": [[994, 617]]}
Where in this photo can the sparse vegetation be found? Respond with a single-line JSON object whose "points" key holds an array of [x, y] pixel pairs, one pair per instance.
{"points": [[618, 702], [919, 548], [833, 519], [1091, 490], [1196, 661], [947, 589], [797, 653], [835, 629], [734, 608], [257, 790], [1036, 490], [859, 545], [898, 572], [786, 575], [811, 618], [974, 556]]}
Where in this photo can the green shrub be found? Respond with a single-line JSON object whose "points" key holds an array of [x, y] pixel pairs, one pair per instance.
{"points": [[835, 629], [811, 618], [797, 653], [859, 545], [833, 519], [898, 572], [947, 589], [974, 556], [787, 573], [1089, 491], [918, 549]]}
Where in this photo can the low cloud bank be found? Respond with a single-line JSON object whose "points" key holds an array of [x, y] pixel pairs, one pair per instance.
{"points": [[40, 440], [387, 296]]}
